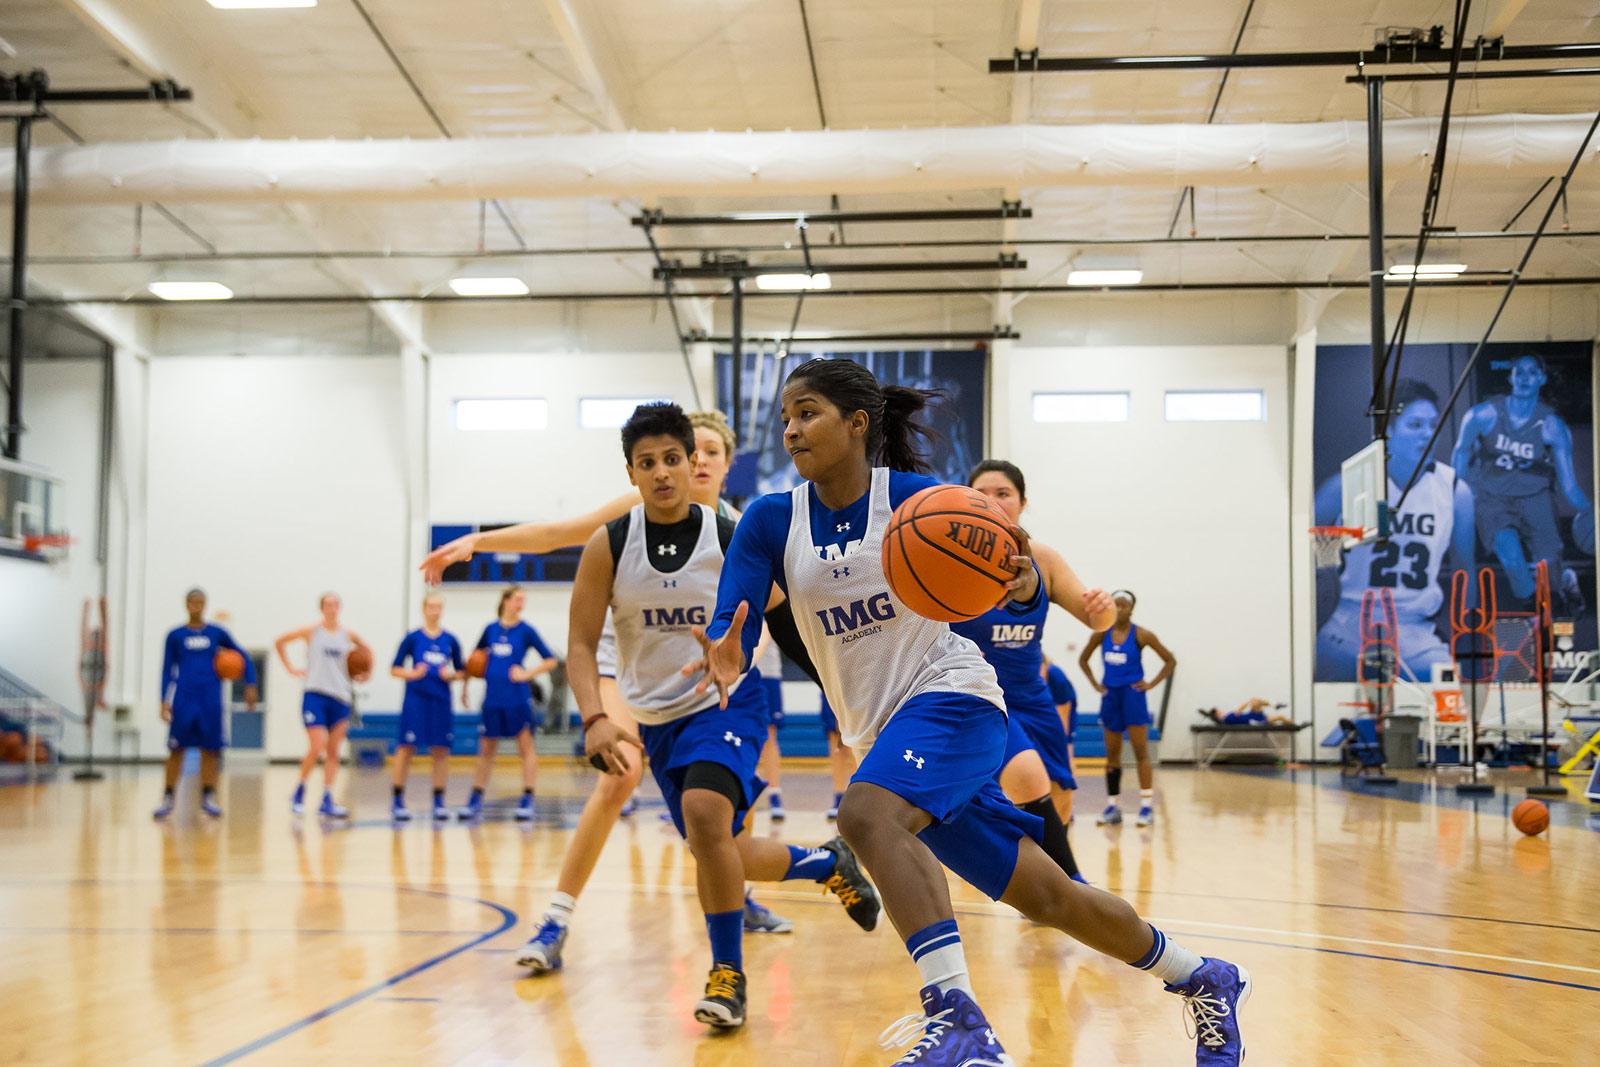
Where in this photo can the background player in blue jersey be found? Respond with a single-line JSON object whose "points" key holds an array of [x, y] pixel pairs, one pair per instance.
{"points": [[926, 712], [325, 708], [1065, 698], [428, 660], [1123, 707], [507, 700], [1516, 453], [1038, 762], [191, 701]]}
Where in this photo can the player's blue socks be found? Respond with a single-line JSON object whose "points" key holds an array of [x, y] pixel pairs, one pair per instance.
{"points": [[1168, 960], [812, 864], [726, 929], [937, 952]]}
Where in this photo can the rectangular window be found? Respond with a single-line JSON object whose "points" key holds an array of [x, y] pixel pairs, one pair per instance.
{"points": [[1080, 407], [610, 412], [1234, 405], [502, 413]]}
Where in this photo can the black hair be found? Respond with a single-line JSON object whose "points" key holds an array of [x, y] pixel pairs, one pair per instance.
{"points": [[1133, 601], [1409, 391], [895, 438], [657, 420], [1537, 359], [196, 591], [1012, 472]]}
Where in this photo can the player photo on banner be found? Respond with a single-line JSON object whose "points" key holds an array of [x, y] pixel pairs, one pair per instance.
{"points": [[1510, 482], [956, 417]]}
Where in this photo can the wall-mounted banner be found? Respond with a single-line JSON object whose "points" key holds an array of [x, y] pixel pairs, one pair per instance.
{"points": [[1510, 483], [499, 568], [956, 417]]}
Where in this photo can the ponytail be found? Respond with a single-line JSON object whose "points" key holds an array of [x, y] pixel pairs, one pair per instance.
{"points": [[895, 437]]}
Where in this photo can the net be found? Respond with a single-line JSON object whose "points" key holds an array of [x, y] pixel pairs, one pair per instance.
{"points": [[1328, 544]]}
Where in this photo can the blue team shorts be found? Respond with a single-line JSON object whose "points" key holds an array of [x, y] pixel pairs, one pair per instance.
{"points": [[1122, 706], [830, 722], [1032, 730], [943, 752], [508, 720], [320, 709], [772, 688], [426, 721], [195, 725], [730, 737]]}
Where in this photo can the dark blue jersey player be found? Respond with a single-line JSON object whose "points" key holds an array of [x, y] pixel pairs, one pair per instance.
{"points": [[191, 701], [508, 700], [1123, 707], [428, 660]]}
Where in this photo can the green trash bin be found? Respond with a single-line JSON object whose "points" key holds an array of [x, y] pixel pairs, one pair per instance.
{"points": [[1401, 733]]}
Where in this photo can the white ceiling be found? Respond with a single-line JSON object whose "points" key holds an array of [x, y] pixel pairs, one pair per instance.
{"points": [[491, 68]]}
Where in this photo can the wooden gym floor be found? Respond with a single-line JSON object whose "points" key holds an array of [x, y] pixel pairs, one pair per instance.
{"points": [[1379, 929]]}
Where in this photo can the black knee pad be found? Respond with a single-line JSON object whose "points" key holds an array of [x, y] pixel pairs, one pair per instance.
{"points": [[1114, 781], [716, 778]]}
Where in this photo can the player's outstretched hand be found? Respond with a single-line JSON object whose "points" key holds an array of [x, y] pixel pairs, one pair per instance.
{"points": [[458, 551], [1025, 586], [1099, 607], [603, 745], [723, 657]]}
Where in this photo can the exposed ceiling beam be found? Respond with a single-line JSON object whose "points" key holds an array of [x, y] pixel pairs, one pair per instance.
{"points": [[580, 49], [1505, 13]]}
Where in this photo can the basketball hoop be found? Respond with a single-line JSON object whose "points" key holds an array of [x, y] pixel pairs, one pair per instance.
{"points": [[49, 546], [1328, 544]]}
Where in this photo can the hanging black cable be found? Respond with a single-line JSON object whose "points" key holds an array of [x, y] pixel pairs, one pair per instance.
{"points": [[677, 325], [1188, 190], [1511, 287]]}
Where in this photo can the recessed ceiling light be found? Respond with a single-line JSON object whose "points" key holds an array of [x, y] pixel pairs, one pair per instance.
{"points": [[489, 286], [1097, 278], [191, 290], [792, 282], [1428, 270], [248, 5]]}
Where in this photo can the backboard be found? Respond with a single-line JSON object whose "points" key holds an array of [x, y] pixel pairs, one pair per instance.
{"points": [[1364, 480]]}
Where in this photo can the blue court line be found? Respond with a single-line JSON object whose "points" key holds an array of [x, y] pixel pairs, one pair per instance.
{"points": [[409, 1000], [508, 919], [1399, 959]]}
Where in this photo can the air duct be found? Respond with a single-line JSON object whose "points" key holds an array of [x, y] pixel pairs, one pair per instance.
{"points": [[791, 163]]}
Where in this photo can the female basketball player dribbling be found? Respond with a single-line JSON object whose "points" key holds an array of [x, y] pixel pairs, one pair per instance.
{"points": [[924, 709]]}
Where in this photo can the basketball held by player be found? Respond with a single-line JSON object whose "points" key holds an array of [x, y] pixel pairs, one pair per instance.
{"points": [[507, 710], [191, 701], [926, 712], [325, 707], [1124, 708], [428, 660]]}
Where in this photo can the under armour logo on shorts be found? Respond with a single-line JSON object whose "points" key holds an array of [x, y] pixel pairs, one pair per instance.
{"points": [[666, 550], [911, 757], [736, 742]]}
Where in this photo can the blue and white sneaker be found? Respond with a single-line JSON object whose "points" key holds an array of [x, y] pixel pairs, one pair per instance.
{"points": [[472, 809], [542, 953], [951, 1032], [833, 812], [777, 809], [399, 812], [330, 810], [209, 805], [1211, 999], [629, 806], [759, 919], [1112, 816], [297, 803], [440, 812], [524, 811], [1147, 816], [164, 808]]}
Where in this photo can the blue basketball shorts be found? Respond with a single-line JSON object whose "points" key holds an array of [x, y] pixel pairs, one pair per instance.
{"points": [[195, 725], [1043, 732], [942, 752], [320, 709], [426, 721], [507, 720], [1122, 706], [730, 737], [772, 689]]}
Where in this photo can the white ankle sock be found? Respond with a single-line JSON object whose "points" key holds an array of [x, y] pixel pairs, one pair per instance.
{"points": [[940, 960], [561, 907], [1168, 960], [1146, 796]]}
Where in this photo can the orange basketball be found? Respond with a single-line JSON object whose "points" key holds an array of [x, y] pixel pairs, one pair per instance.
{"points": [[12, 747], [359, 661], [1531, 817], [478, 663], [945, 553], [228, 664]]}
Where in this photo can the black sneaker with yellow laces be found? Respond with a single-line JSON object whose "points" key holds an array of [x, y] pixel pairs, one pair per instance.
{"points": [[723, 1005], [849, 883]]}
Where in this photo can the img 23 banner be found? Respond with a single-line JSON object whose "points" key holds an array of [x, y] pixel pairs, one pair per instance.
{"points": [[956, 417], [1509, 483]]}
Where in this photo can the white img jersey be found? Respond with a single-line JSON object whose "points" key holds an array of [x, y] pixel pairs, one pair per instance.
{"points": [[1408, 563], [652, 611], [871, 651], [327, 663]]}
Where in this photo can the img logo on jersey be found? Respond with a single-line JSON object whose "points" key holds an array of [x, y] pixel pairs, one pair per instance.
{"points": [[978, 540], [195, 642], [1009, 635], [1408, 522], [675, 618], [1511, 446], [856, 615]]}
